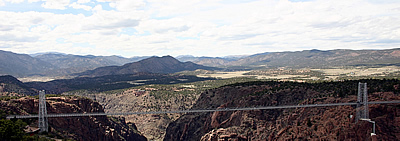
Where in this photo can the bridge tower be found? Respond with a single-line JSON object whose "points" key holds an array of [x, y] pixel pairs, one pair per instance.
{"points": [[362, 102], [43, 123]]}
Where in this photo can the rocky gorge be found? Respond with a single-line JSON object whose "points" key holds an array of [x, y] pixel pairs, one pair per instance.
{"points": [[326, 123], [96, 128]]}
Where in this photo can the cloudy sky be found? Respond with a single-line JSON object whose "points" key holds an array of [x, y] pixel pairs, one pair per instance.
{"points": [[196, 27]]}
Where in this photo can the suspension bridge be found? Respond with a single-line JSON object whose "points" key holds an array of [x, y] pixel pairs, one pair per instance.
{"points": [[197, 111], [361, 109]]}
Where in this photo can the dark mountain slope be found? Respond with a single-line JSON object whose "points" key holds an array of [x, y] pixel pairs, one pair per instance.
{"points": [[21, 64], [165, 64], [111, 82], [10, 84]]}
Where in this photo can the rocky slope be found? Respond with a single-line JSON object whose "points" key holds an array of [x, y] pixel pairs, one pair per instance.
{"points": [[154, 98], [78, 128], [329, 123]]}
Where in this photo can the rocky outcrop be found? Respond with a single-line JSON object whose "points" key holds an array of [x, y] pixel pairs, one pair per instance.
{"points": [[323, 123], [78, 128]]}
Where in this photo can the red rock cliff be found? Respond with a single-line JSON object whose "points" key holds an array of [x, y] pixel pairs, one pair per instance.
{"points": [[96, 128], [324, 123]]}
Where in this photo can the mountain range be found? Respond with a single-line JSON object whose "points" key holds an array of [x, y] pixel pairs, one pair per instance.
{"points": [[210, 61], [56, 64], [153, 70], [59, 64], [67, 64], [313, 59], [21, 64], [165, 64]]}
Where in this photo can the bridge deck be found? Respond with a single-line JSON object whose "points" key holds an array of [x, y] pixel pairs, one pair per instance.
{"points": [[199, 110]]}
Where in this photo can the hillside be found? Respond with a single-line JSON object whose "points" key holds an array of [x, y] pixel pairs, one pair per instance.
{"points": [[209, 61], [68, 63], [302, 59], [11, 86], [21, 64], [322, 59], [99, 128], [110, 82], [56, 64], [327, 123], [165, 64]]}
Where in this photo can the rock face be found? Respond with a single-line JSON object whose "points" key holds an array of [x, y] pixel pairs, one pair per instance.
{"points": [[78, 128], [323, 123]]}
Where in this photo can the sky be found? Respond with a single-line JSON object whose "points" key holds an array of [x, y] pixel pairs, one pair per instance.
{"points": [[212, 28]]}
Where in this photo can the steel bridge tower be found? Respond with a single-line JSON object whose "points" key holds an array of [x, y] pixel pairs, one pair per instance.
{"points": [[362, 102], [43, 123]]}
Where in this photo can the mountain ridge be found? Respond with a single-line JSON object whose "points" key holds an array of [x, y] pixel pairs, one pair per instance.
{"points": [[68, 63], [21, 64], [320, 59], [165, 64], [60, 64]]}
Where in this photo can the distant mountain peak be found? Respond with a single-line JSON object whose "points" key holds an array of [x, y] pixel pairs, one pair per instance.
{"points": [[164, 59], [164, 64]]}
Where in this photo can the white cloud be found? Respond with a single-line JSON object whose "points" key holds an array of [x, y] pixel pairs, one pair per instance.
{"points": [[31, 1], [41, 29], [15, 1], [164, 26], [83, 1], [13, 38], [80, 6], [127, 5], [2, 3], [106, 0], [55, 4], [98, 8], [204, 27]]}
